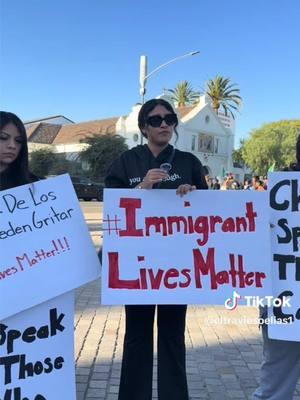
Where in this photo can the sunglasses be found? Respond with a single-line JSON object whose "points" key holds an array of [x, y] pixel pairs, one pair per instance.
{"points": [[156, 120]]}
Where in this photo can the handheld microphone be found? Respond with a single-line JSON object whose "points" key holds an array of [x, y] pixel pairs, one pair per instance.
{"points": [[166, 167]]}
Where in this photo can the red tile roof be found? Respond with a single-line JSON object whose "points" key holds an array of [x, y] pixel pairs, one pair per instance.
{"points": [[77, 132], [44, 133], [30, 130]]}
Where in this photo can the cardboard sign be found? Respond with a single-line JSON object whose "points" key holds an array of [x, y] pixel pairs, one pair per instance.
{"points": [[45, 246], [284, 190], [160, 248], [37, 352]]}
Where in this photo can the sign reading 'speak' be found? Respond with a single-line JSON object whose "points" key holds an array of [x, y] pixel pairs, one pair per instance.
{"points": [[37, 352], [45, 246]]}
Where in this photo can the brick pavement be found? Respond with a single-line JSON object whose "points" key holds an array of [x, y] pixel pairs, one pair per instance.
{"points": [[223, 361]]}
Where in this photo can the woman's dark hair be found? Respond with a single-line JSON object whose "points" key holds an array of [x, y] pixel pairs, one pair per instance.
{"points": [[18, 172], [148, 107]]}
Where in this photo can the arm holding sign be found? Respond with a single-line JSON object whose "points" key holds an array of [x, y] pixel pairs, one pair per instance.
{"points": [[198, 177]]}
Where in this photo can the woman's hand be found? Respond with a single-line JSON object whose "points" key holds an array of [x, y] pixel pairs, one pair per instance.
{"points": [[153, 176], [184, 189]]}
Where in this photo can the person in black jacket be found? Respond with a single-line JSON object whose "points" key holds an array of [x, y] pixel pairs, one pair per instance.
{"points": [[280, 369], [155, 165], [14, 169]]}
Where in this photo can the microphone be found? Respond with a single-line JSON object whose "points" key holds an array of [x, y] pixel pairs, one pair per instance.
{"points": [[166, 167]]}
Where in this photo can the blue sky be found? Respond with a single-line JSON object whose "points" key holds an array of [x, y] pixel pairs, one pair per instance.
{"points": [[81, 58]]}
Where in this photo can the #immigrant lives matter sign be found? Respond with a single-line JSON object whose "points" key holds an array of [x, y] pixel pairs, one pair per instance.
{"points": [[284, 192], [159, 248]]}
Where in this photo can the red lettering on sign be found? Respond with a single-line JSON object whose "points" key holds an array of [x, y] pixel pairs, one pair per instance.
{"points": [[130, 206], [114, 281]]}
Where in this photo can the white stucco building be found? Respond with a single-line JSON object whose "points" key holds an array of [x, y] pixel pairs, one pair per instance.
{"points": [[201, 131], [209, 136]]}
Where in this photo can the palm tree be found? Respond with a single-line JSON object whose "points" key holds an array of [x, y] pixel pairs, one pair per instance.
{"points": [[183, 94], [223, 94]]}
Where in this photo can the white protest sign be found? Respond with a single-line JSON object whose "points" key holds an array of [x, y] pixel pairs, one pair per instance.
{"points": [[37, 352], [285, 233], [159, 248], [45, 246]]}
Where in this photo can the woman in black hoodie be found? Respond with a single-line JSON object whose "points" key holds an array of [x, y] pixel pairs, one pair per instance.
{"points": [[155, 165]]}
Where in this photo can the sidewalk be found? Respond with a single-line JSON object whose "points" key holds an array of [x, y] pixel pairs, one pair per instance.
{"points": [[223, 361]]}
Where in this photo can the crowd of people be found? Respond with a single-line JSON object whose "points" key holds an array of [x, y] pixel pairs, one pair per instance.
{"points": [[151, 166], [259, 183]]}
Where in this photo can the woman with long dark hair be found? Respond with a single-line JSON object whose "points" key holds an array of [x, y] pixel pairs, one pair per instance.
{"points": [[14, 170], [155, 165]]}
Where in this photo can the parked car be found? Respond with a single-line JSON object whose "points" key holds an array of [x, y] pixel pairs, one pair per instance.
{"points": [[86, 189]]}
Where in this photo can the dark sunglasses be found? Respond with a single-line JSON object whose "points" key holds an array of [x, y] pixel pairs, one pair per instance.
{"points": [[156, 120]]}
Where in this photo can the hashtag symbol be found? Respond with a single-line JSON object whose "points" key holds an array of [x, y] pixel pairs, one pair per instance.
{"points": [[112, 224]]}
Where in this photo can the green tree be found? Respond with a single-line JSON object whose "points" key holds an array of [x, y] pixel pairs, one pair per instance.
{"points": [[61, 165], [224, 94], [183, 94], [102, 151], [237, 154], [272, 144], [41, 161]]}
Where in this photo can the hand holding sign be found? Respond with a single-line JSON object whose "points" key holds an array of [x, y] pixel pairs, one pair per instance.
{"points": [[212, 247]]}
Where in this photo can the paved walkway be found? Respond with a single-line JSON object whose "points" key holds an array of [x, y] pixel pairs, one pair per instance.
{"points": [[223, 361]]}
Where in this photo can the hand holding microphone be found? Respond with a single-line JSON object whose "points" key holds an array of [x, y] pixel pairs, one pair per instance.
{"points": [[184, 189], [155, 175], [166, 167]]}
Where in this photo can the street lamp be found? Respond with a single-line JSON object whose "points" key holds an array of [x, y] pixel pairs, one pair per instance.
{"points": [[143, 70]]}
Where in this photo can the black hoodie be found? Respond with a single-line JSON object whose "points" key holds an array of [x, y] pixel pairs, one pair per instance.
{"points": [[9, 180], [132, 166]]}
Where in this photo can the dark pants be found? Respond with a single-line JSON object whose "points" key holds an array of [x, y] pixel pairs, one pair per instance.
{"points": [[137, 364]]}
